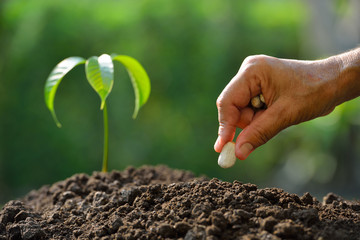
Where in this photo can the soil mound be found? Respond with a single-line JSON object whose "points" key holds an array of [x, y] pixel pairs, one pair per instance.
{"points": [[161, 203]]}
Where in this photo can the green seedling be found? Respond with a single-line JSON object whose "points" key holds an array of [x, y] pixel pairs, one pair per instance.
{"points": [[100, 75]]}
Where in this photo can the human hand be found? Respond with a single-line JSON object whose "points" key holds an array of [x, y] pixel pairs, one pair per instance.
{"points": [[294, 91]]}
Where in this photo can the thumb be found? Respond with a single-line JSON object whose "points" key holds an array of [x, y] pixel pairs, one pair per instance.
{"points": [[265, 126]]}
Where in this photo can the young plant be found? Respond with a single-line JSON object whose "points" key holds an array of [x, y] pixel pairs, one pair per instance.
{"points": [[100, 75]]}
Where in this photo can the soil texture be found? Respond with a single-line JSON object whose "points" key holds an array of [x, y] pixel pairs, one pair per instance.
{"points": [[161, 203]]}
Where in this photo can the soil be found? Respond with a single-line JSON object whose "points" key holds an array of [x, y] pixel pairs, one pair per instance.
{"points": [[161, 203]]}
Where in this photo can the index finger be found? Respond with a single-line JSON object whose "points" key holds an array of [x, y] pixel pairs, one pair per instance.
{"points": [[229, 113], [235, 97]]}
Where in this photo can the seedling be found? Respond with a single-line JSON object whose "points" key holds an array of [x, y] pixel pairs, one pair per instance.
{"points": [[100, 75]]}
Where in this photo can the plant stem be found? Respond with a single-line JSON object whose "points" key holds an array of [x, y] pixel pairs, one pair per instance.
{"points": [[106, 140]]}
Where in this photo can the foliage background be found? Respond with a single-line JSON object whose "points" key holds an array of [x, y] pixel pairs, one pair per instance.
{"points": [[191, 49]]}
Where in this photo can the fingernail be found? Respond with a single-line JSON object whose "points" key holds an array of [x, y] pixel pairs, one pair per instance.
{"points": [[246, 149]]}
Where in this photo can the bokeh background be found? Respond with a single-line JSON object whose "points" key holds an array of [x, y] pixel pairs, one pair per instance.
{"points": [[190, 49]]}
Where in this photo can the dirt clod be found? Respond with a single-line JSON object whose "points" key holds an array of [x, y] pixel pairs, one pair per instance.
{"points": [[166, 230], [161, 203]]}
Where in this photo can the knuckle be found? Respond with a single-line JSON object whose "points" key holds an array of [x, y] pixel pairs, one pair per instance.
{"points": [[221, 127], [224, 125], [262, 135], [289, 116], [255, 60], [253, 66], [220, 101]]}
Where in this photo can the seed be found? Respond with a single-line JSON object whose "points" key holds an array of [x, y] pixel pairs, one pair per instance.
{"points": [[256, 102], [262, 98], [227, 156]]}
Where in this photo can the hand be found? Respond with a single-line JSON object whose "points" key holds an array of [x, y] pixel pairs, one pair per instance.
{"points": [[294, 91]]}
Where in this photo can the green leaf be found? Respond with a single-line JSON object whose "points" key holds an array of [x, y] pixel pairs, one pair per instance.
{"points": [[100, 74], [54, 79], [139, 78]]}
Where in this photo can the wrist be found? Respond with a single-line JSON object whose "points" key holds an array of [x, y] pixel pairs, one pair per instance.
{"points": [[348, 80]]}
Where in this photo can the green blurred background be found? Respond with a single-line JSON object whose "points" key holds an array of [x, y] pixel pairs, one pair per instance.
{"points": [[190, 49]]}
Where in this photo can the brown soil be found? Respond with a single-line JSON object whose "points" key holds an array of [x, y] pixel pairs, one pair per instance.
{"points": [[161, 203]]}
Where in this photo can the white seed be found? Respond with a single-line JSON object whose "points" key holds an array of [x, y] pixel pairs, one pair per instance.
{"points": [[227, 156], [256, 103], [262, 98]]}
